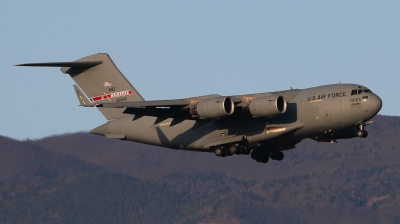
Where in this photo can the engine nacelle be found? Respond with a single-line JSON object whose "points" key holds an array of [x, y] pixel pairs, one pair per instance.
{"points": [[267, 106], [214, 108]]}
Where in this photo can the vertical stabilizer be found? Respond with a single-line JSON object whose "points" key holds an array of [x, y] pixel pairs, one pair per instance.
{"points": [[103, 83], [100, 80]]}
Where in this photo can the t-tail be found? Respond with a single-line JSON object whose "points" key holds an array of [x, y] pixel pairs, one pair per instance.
{"points": [[100, 80]]}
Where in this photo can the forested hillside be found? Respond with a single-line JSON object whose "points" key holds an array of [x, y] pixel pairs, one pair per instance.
{"points": [[81, 178]]}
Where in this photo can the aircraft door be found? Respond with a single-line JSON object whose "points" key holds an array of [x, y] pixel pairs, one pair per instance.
{"points": [[327, 116]]}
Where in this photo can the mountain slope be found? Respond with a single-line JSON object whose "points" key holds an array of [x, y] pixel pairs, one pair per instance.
{"points": [[84, 178], [26, 160]]}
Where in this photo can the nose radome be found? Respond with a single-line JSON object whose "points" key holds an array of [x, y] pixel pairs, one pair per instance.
{"points": [[376, 103]]}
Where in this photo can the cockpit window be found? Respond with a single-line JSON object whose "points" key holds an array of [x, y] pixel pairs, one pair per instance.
{"points": [[359, 91]]}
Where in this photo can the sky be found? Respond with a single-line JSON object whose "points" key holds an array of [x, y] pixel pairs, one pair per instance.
{"points": [[179, 49]]}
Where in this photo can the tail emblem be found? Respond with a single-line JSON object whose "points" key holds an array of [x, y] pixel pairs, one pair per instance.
{"points": [[111, 95]]}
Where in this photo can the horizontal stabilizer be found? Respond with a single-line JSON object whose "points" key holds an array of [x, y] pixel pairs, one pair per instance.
{"points": [[64, 64]]}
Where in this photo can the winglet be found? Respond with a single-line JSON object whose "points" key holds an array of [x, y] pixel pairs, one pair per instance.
{"points": [[83, 101]]}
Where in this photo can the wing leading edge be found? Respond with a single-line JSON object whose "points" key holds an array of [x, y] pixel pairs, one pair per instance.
{"points": [[178, 109]]}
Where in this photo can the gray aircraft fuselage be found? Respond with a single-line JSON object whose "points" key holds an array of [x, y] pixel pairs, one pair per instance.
{"points": [[317, 112]]}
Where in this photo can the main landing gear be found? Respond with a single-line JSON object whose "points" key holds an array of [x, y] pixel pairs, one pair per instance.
{"points": [[228, 150], [260, 155], [263, 156]]}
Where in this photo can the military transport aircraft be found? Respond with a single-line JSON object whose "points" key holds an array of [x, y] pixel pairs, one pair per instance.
{"points": [[263, 124]]}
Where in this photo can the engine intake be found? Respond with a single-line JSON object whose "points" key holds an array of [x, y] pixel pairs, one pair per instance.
{"points": [[267, 106], [214, 108]]}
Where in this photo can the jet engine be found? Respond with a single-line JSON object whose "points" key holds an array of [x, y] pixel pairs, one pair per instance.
{"points": [[267, 106], [214, 108]]}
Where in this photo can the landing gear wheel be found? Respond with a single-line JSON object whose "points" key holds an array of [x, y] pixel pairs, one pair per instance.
{"points": [[362, 133], [224, 152], [280, 156], [265, 159], [260, 156], [233, 149], [254, 155], [219, 151], [246, 150]]}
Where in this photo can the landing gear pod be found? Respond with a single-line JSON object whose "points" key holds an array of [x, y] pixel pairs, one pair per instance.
{"points": [[267, 106], [214, 108]]}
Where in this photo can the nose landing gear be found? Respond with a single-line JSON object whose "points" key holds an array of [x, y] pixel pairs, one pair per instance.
{"points": [[361, 132]]}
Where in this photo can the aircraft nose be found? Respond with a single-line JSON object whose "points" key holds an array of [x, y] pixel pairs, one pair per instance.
{"points": [[375, 103]]}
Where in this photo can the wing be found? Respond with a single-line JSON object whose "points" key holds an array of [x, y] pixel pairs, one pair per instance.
{"points": [[178, 109], [162, 109]]}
